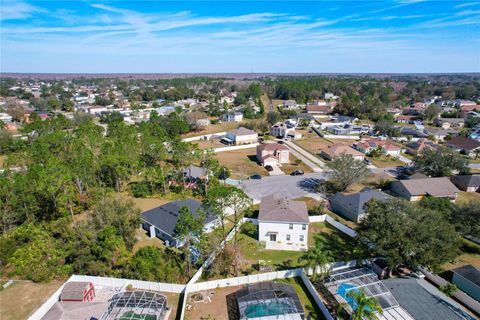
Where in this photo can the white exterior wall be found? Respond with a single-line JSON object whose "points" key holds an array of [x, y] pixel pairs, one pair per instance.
{"points": [[244, 139], [282, 229]]}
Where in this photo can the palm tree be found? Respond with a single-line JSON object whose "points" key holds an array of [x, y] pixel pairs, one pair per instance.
{"points": [[317, 259], [365, 307]]}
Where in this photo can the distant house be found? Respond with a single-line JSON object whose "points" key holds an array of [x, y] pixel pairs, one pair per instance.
{"points": [[352, 206], [241, 136], [417, 147], [439, 133], [195, 173], [466, 109], [330, 96], [283, 130], [273, 154], [464, 145], [290, 105], [416, 189], [347, 129], [283, 221], [233, 116], [405, 118], [467, 279], [368, 145], [469, 183], [447, 123], [97, 110], [161, 221], [410, 133], [338, 149], [318, 109]]}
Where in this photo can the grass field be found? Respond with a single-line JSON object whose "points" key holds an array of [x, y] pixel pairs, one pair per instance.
{"points": [[467, 197], [242, 163], [213, 128], [209, 144], [22, 298], [385, 162], [289, 168], [470, 254]]}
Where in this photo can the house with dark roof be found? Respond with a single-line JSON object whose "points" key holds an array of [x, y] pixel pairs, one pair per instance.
{"points": [[416, 189], [417, 147], [467, 279], [414, 134], [469, 182], [352, 206], [439, 133], [283, 223], [161, 221], [464, 145]]}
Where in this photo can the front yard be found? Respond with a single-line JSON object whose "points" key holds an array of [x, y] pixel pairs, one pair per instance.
{"points": [[385, 162], [241, 163], [213, 128]]}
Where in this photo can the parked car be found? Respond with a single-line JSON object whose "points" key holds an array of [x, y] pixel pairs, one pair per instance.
{"points": [[297, 173], [367, 161], [280, 141], [269, 168], [255, 177]]}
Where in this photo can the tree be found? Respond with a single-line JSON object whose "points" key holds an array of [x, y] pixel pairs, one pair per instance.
{"points": [[441, 162], [189, 230], [442, 205], [344, 171], [407, 234], [466, 218], [317, 259], [217, 200], [273, 117], [432, 112], [364, 307]]}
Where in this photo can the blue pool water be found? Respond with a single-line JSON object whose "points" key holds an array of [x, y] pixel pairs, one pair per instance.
{"points": [[266, 309], [343, 290]]}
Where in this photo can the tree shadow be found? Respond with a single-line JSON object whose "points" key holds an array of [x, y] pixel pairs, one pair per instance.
{"points": [[253, 158], [309, 184], [232, 306]]}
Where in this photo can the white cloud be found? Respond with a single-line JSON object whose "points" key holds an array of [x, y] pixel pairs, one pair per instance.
{"points": [[17, 10]]}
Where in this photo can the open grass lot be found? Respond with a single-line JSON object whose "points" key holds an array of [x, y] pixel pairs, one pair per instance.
{"points": [[313, 143], [277, 102], [213, 128], [22, 298], [292, 166], [470, 254], [242, 163], [209, 144], [467, 197], [251, 251], [386, 162], [266, 102], [371, 181]]}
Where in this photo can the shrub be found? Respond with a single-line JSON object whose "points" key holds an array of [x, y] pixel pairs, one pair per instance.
{"points": [[449, 289], [141, 189], [249, 229]]}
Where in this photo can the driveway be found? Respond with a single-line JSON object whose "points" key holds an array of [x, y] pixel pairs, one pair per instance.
{"points": [[284, 186]]}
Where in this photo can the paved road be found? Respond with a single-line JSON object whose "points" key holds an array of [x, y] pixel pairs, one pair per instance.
{"points": [[309, 159], [474, 165], [284, 186]]}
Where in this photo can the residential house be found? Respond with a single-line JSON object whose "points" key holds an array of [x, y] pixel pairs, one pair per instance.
{"points": [[283, 223], [405, 118], [318, 109], [97, 110], [233, 116], [272, 154], [464, 145], [410, 134], [338, 149], [467, 279], [468, 183], [349, 129], [330, 96], [368, 145], [241, 136], [195, 173], [352, 206], [447, 123], [439, 134], [416, 189], [466, 109], [161, 221], [417, 147], [290, 105], [282, 130]]}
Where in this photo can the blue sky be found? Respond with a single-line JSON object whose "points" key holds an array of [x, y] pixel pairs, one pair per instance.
{"points": [[240, 36]]}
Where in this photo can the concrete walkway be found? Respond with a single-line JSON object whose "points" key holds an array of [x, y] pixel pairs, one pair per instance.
{"points": [[309, 159]]}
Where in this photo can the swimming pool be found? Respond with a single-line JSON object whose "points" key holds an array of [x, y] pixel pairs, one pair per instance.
{"points": [[272, 308], [343, 290]]}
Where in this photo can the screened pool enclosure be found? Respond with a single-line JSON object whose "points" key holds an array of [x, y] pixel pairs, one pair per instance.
{"points": [[136, 305]]}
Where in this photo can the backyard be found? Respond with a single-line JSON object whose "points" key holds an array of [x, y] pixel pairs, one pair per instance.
{"points": [[213, 128], [470, 254], [241, 163]]}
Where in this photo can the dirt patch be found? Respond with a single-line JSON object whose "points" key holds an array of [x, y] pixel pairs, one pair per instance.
{"points": [[242, 163], [213, 128], [22, 298], [219, 304], [313, 144], [144, 240], [145, 204]]}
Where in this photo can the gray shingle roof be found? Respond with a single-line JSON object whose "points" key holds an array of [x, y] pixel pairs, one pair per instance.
{"points": [[471, 180], [241, 132], [194, 172], [273, 208], [165, 217], [436, 187], [422, 300], [356, 201], [469, 272]]}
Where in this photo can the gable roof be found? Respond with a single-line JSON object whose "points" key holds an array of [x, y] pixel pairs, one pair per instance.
{"points": [[436, 187], [273, 208], [339, 149], [464, 143], [165, 217], [470, 180], [271, 147], [469, 272], [355, 202]]}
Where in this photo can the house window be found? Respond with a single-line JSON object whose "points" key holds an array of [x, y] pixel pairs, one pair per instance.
{"points": [[301, 238], [273, 237], [290, 226], [304, 227], [288, 237]]}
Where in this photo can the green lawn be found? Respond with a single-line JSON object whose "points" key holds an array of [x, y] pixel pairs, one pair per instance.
{"points": [[385, 162], [251, 251], [309, 306], [467, 197]]}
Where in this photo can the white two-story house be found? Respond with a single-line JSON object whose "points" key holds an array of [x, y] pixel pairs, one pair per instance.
{"points": [[283, 224], [241, 136]]}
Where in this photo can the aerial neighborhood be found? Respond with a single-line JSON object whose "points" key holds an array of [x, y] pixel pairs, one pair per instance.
{"points": [[241, 197]]}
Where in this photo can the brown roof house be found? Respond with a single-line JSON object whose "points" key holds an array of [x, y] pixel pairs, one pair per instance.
{"points": [[464, 145], [338, 149], [283, 223], [273, 154], [469, 182], [416, 189]]}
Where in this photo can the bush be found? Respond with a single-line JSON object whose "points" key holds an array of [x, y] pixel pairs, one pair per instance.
{"points": [[449, 289], [141, 189], [249, 229]]}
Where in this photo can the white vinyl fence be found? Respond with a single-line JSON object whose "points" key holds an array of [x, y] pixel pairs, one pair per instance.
{"points": [[205, 136], [232, 148], [334, 223]]}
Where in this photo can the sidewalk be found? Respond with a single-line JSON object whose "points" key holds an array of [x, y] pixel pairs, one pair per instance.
{"points": [[309, 159]]}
